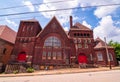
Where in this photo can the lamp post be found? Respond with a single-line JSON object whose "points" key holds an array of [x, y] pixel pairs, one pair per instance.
{"points": [[108, 56]]}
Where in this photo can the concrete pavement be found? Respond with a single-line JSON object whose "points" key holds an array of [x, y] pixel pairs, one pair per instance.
{"points": [[61, 71]]}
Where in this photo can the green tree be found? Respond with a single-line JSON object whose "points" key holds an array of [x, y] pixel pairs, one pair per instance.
{"points": [[116, 45]]}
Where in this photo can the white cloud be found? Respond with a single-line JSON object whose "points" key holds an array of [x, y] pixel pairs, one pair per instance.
{"points": [[75, 18], [106, 26], [63, 16], [117, 23], [10, 22], [97, 2], [107, 29], [86, 24], [29, 5], [66, 29], [104, 11]]}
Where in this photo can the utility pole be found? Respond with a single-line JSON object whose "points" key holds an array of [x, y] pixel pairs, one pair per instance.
{"points": [[108, 56]]}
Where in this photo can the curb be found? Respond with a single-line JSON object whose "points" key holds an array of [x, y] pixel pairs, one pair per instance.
{"points": [[60, 71]]}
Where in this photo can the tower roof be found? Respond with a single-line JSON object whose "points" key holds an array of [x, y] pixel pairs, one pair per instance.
{"points": [[30, 20], [78, 26]]}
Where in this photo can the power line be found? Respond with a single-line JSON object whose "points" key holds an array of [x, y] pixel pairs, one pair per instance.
{"points": [[33, 4], [19, 18], [12, 14], [26, 17]]}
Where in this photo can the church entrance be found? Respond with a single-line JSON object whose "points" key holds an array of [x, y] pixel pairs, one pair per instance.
{"points": [[22, 57], [82, 58]]}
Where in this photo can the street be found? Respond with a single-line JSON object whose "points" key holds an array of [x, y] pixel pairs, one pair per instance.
{"points": [[103, 76]]}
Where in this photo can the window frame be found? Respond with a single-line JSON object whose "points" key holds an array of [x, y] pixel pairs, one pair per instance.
{"points": [[99, 56], [52, 41]]}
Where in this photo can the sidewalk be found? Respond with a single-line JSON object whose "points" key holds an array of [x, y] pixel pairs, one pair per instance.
{"points": [[61, 71]]}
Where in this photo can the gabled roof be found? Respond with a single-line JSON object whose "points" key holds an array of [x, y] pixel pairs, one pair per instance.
{"points": [[78, 26], [7, 34], [53, 25], [100, 43]]}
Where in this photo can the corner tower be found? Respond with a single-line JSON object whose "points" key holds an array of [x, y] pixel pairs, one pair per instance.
{"points": [[83, 40], [26, 37]]}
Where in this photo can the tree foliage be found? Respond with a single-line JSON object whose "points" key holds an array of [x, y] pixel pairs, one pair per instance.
{"points": [[116, 45]]}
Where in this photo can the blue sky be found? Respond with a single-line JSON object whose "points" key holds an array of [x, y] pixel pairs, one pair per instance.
{"points": [[103, 20]]}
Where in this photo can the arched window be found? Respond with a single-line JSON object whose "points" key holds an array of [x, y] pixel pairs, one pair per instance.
{"points": [[52, 41], [53, 49]]}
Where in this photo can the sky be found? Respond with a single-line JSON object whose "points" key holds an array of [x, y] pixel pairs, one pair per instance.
{"points": [[103, 20]]}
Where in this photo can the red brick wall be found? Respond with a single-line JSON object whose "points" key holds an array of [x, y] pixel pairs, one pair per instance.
{"points": [[53, 28], [26, 37], [105, 58], [33, 42]]}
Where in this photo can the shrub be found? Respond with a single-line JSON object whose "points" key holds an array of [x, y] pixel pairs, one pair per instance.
{"points": [[16, 71], [30, 70]]}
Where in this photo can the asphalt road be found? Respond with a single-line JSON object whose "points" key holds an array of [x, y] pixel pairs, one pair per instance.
{"points": [[103, 76]]}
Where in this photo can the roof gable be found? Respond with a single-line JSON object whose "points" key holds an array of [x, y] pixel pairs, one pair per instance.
{"points": [[100, 43], [53, 27]]}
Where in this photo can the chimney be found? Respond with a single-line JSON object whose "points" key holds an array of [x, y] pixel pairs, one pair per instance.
{"points": [[71, 21]]}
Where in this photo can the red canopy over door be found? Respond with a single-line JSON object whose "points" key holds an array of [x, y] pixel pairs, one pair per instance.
{"points": [[82, 58]]}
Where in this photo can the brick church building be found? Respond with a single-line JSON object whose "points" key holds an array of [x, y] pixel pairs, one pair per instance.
{"points": [[53, 46]]}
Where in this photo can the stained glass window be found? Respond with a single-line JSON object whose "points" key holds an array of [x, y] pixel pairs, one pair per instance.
{"points": [[52, 42]]}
